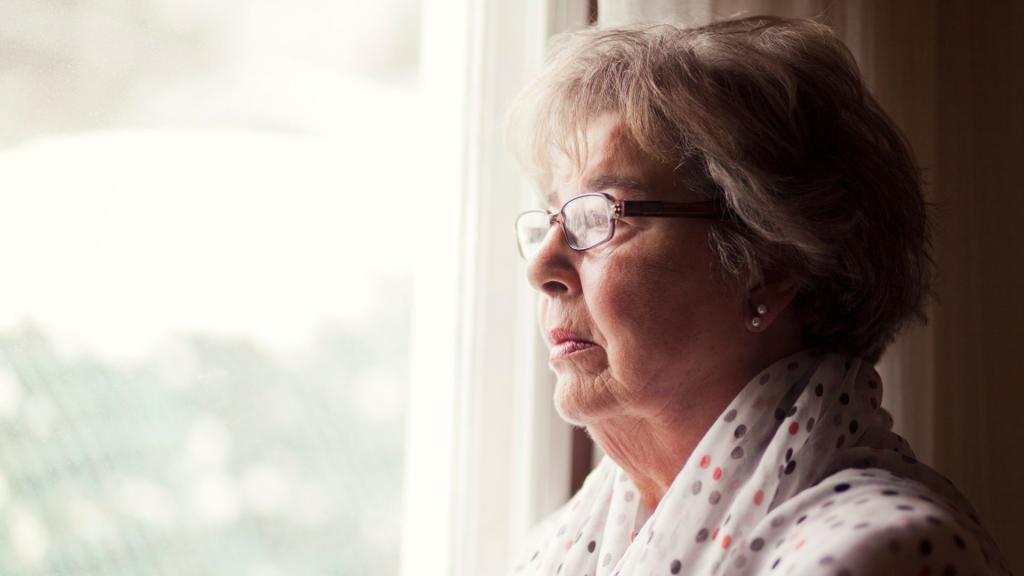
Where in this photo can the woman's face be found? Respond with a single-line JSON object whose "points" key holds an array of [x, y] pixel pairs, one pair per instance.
{"points": [[646, 319]]}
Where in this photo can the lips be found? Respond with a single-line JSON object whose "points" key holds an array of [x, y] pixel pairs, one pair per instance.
{"points": [[565, 342]]}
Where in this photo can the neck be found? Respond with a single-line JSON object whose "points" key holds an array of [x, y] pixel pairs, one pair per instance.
{"points": [[652, 449], [653, 444]]}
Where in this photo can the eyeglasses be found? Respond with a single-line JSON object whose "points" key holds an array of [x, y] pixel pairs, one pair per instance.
{"points": [[588, 220]]}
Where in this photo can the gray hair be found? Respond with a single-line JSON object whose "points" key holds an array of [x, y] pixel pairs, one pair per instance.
{"points": [[771, 116]]}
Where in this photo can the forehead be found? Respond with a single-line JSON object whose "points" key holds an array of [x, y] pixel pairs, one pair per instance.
{"points": [[609, 158]]}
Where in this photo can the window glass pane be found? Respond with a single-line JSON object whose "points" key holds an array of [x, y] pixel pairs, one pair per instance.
{"points": [[204, 327]]}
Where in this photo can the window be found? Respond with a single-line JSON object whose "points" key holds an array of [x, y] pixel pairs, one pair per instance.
{"points": [[262, 311], [208, 284]]}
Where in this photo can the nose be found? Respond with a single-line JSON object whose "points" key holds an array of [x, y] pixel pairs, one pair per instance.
{"points": [[552, 270]]}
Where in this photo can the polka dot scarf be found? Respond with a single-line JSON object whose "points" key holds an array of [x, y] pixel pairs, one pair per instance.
{"points": [[800, 475]]}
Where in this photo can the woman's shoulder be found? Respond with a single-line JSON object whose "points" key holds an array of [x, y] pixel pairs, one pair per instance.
{"points": [[532, 546], [553, 528], [871, 522]]}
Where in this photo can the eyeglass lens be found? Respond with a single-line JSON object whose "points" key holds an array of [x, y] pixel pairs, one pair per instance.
{"points": [[531, 227], [587, 221]]}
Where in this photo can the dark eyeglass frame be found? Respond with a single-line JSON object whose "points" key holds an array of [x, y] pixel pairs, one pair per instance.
{"points": [[711, 209]]}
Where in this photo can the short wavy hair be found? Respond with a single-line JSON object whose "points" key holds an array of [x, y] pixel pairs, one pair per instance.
{"points": [[770, 116]]}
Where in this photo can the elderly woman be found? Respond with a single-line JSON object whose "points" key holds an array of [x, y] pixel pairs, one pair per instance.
{"points": [[734, 232]]}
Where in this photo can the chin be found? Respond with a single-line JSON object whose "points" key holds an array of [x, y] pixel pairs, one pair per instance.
{"points": [[578, 402], [570, 412]]}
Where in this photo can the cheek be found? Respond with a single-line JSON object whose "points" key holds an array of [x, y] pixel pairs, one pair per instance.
{"points": [[650, 313], [637, 308], [626, 299]]}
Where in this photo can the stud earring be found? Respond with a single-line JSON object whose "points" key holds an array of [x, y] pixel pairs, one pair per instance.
{"points": [[761, 311]]}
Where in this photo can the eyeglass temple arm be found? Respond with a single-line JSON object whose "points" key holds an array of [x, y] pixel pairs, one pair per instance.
{"points": [[701, 209]]}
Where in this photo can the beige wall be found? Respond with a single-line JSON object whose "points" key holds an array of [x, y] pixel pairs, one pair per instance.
{"points": [[979, 326], [951, 73]]}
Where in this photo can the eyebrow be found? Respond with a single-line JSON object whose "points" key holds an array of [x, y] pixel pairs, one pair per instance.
{"points": [[604, 182]]}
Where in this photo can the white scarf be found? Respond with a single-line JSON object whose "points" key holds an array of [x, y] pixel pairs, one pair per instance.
{"points": [[800, 475]]}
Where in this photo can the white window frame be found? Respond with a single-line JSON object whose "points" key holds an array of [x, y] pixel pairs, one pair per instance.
{"points": [[486, 456]]}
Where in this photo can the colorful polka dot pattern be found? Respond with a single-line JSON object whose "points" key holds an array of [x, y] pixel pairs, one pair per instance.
{"points": [[801, 475]]}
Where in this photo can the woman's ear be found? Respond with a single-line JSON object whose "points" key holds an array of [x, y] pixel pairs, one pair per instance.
{"points": [[768, 300]]}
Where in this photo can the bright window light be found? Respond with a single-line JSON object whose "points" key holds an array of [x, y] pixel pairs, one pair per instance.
{"points": [[208, 234]]}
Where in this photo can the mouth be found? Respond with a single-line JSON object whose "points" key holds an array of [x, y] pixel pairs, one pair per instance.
{"points": [[565, 342], [569, 347]]}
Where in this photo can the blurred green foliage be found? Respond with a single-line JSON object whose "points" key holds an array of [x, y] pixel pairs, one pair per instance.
{"points": [[212, 456]]}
